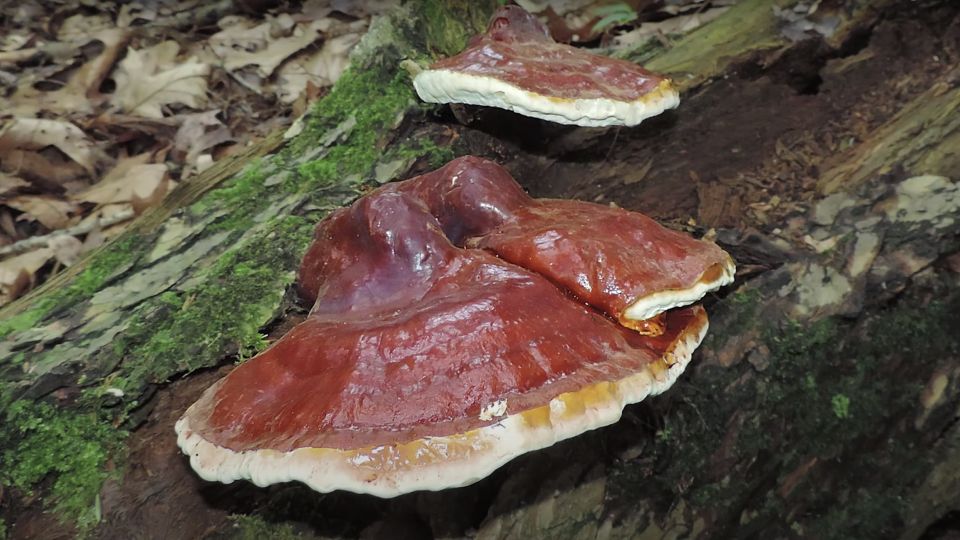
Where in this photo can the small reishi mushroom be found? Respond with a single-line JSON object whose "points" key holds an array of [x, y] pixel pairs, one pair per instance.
{"points": [[516, 65], [620, 262], [424, 365]]}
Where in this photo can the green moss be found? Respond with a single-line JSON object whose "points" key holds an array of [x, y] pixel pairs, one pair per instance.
{"points": [[175, 331], [28, 318], [737, 315], [643, 51], [178, 332], [252, 346], [363, 106], [114, 257], [436, 155], [826, 396], [69, 449], [171, 333], [242, 196], [370, 119], [104, 265], [841, 406], [362, 145], [450, 24], [256, 528]]}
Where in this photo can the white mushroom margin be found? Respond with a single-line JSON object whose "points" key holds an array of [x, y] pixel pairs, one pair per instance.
{"points": [[653, 304], [448, 86], [435, 463]]}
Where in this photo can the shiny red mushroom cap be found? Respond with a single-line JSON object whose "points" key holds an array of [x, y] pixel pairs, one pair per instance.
{"points": [[620, 262], [515, 65], [422, 365], [451, 331]]}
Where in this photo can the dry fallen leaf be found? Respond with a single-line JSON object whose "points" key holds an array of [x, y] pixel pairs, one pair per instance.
{"points": [[66, 249], [261, 46], [50, 171], [9, 185], [132, 12], [150, 78], [17, 273], [51, 212], [7, 226], [38, 133], [132, 178], [79, 26], [680, 24], [365, 8], [111, 213], [83, 83], [12, 41], [204, 162], [94, 239], [198, 133], [54, 61], [86, 81], [321, 68]]}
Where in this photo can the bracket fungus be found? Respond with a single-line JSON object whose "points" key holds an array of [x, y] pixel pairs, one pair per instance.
{"points": [[438, 348], [516, 65]]}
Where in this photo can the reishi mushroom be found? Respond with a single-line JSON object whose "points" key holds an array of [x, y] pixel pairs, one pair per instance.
{"points": [[516, 65], [426, 361], [622, 263]]}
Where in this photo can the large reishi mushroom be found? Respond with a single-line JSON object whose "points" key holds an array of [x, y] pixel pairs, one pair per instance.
{"points": [[423, 365], [516, 65]]}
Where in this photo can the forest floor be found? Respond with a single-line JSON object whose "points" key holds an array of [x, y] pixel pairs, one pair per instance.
{"points": [[105, 107], [741, 153]]}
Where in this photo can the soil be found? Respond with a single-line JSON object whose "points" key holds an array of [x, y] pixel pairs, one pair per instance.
{"points": [[740, 153]]}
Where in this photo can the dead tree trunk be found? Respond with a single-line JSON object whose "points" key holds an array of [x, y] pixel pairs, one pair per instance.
{"points": [[823, 403]]}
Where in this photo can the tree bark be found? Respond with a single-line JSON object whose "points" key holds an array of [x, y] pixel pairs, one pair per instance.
{"points": [[823, 403]]}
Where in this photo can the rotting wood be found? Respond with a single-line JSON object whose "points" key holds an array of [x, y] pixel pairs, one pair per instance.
{"points": [[742, 486], [818, 409], [925, 135], [193, 281]]}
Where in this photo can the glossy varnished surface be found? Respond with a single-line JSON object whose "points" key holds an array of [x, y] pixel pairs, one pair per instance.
{"points": [[468, 196], [606, 256], [414, 337], [448, 301], [517, 50]]}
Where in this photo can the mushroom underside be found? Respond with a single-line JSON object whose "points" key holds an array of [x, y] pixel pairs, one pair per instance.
{"points": [[447, 86], [649, 306]]}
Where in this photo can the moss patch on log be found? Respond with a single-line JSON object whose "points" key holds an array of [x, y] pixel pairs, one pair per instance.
{"points": [[178, 332], [256, 528], [449, 25], [65, 448], [822, 396], [106, 263], [221, 305]]}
